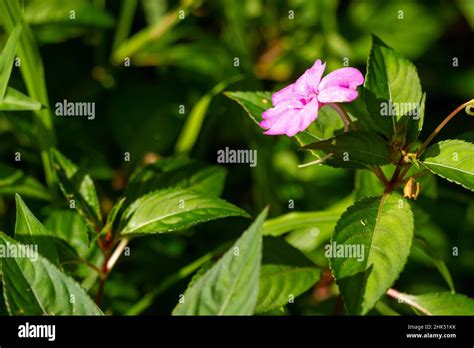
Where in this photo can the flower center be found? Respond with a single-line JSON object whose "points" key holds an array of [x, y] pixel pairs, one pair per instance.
{"points": [[309, 98]]}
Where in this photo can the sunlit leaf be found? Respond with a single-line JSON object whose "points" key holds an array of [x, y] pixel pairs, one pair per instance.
{"points": [[17, 101], [6, 60], [452, 160], [14, 181], [230, 287], [29, 230], [34, 286], [392, 93], [173, 209], [443, 303], [381, 229]]}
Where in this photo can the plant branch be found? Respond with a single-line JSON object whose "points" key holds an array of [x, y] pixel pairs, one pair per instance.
{"points": [[116, 254], [405, 299], [318, 161], [379, 173], [103, 277], [346, 120]]}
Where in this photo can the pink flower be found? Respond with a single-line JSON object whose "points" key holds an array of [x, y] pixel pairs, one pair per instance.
{"points": [[297, 105]]}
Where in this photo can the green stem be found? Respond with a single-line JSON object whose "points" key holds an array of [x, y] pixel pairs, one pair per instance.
{"points": [[144, 37], [127, 12]]}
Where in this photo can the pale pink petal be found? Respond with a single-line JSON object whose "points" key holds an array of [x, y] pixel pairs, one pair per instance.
{"points": [[283, 123], [283, 94], [344, 77], [309, 81], [291, 121], [272, 115], [308, 114], [336, 94]]}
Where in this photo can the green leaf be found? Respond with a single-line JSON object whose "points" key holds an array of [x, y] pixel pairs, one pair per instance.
{"points": [[14, 181], [112, 217], [193, 124], [125, 22], [367, 184], [6, 60], [383, 227], [151, 33], [230, 287], [443, 303], [254, 103], [452, 160], [414, 127], [29, 230], [69, 226], [298, 220], [209, 181], [391, 80], [78, 185], [354, 148], [57, 11], [173, 209], [307, 230], [285, 274], [32, 69], [176, 172], [34, 286], [17, 101]]}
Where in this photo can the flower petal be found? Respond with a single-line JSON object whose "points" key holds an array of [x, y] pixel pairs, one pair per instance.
{"points": [[344, 77], [272, 115], [308, 114], [283, 95], [337, 94], [309, 81], [290, 121]]}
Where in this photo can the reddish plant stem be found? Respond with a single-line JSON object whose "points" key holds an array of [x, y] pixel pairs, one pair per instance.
{"points": [[105, 245], [346, 120], [103, 278], [380, 174]]}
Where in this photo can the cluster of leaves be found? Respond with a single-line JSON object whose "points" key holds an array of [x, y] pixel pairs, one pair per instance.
{"points": [[241, 282], [383, 224]]}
